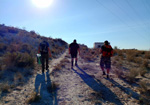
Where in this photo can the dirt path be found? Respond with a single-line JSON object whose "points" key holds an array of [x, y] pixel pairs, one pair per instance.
{"points": [[85, 85], [82, 85]]}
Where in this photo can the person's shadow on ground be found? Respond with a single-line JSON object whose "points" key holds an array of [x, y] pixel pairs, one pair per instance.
{"points": [[126, 90], [97, 86], [42, 86]]}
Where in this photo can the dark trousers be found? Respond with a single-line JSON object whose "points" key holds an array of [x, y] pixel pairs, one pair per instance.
{"points": [[73, 55], [44, 57]]}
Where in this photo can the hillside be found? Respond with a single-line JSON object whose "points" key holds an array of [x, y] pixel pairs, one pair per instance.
{"points": [[18, 49]]}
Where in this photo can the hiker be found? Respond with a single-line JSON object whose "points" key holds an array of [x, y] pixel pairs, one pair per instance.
{"points": [[107, 52], [73, 50], [45, 52]]}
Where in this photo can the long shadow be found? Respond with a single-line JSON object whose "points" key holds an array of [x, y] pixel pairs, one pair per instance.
{"points": [[126, 90], [108, 95], [55, 101], [46, 95]]}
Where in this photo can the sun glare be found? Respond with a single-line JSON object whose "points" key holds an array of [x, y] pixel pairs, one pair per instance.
{"points": [[42, 3]]}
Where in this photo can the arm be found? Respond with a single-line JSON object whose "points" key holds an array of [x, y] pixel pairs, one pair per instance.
{"points": [[79, 51], [39, 50], [69, 50], [50, 55], [100, 51], [112, 52]]}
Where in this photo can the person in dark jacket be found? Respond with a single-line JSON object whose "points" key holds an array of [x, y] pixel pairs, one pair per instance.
{"points": [[73, 50], [107, 52], [45, 52]]}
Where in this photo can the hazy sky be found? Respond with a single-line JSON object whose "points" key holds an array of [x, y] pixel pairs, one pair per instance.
{"points": [[124, 23]]}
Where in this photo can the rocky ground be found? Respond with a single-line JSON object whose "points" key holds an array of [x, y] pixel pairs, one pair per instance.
{"points": [[82, 85]]}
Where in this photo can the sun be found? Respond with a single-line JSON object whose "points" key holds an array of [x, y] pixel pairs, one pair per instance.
{"points": [[42, 3]]}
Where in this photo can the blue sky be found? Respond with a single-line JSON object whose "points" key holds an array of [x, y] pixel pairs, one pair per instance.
{"points": [[124, 23]]}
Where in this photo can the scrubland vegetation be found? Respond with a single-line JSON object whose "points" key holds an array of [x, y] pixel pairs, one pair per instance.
{"points": [[18, 50], [134, 66], [130, 65]]}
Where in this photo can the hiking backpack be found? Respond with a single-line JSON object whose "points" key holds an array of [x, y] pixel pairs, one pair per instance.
{"points": [[44, 47], [107, 51]]}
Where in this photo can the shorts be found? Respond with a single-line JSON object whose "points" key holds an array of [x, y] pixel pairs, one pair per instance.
{"points": [[74, 55], [105, 62]]}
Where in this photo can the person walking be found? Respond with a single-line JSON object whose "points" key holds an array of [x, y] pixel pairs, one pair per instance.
{"points": [[107, 52], [73, 50], [45, 52]]}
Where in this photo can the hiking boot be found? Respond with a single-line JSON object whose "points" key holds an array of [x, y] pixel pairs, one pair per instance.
{"points": [[104, 73], [107, 76]]}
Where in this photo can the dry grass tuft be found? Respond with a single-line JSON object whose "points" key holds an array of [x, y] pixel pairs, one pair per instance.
{"points": [[145, 93], [142, 71], [61, 64], [147, 55], [65, 61], [145, 63], [131, 76], [33, 98], [18, 77], [5, 87]]}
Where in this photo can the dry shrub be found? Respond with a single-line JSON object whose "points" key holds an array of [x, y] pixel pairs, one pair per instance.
{"points": [[119, 52], [145, 63], [88, 58], [131, 54], [18, 77], [130, 58], [142, 71], [67, 56], [89, 54], [132, 75], [65, 61], [58, 67], [138, 60], [147, 55], [61, 64], [18, 60], [119, 64], [5, 87], [119, 73], [33, 98], [145, 93]]}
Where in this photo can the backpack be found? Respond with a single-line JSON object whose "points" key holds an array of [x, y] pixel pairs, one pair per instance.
{"points": [[107, 51], [43, 47]]}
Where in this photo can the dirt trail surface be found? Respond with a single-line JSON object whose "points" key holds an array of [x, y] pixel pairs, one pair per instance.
{"points": [[82, 85], [85, 85]]}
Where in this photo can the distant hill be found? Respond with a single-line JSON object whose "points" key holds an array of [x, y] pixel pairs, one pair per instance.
{"points": [[18, 49]]}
